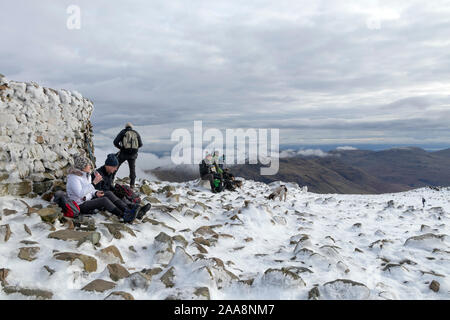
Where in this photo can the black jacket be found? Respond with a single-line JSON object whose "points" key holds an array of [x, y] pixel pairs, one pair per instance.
{"points": [[107, 184], [119, 138]]}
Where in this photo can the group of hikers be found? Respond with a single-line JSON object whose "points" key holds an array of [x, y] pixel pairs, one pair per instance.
{"points": [[212, 169], [88, 190]]}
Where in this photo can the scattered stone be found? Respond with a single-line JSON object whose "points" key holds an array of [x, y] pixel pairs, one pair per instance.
{"points": [[27, 230], [425, 238], [145, 189], [206, 231], [248, 239], [432, 273], [28, 242], [191, 213], [434, 285], [89, 263], [119, 295], [152, 272], [248, 282], [3, 274], [39, 294], [49, 270], [80, 236], [380, 243], [138, 280], [156, 222], [201, 249], [164, 238], [116, 228], [7, 212], [202, 205], [99, 285], [202, 241], [203, 292], [343, 289], [168, 277], [180, 239], [132, 249], [5, 232], [28, 253], [113, 251], [283, 277], [152, 200], [117, 272], [314, 294], [50, 214]]}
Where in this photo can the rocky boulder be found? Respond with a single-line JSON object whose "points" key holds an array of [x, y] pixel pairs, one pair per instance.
{"points": [[89, 263]]}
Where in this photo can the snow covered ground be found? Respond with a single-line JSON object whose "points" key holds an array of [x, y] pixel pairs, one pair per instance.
{"points": [[238, 245]]}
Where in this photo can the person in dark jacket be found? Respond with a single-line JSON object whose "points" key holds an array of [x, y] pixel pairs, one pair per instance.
{"points": [[108, 173], [106, 184], [128, 141]]}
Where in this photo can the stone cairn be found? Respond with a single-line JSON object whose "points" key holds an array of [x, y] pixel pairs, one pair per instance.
{"points": [[40, 131]]}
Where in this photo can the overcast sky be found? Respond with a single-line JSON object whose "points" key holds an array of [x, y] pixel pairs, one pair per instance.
{"points": [[324, 72]]}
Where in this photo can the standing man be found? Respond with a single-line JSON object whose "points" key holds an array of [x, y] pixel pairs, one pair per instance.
{"points": [[128, 141]]}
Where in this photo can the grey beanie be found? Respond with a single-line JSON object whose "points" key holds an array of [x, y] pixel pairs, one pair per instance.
{"points": [[80, 162], [128, 125]]}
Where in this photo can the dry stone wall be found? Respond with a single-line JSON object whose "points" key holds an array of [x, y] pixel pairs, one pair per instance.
{"points": [[40, 131]]}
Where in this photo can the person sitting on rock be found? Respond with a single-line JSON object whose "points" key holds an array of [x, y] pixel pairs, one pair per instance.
{"points": [[80, 189], [106, 184], [209, 171]]}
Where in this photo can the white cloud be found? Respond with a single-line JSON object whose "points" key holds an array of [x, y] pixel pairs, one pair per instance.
{"points": [[346, 148]]}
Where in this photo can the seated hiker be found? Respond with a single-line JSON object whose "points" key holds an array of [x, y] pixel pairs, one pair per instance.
{"points": [[228, 180], [106, 184], [80, 190], [209, 171]]}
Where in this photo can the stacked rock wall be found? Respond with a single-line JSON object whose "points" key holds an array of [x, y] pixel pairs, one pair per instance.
{"points": [[40, 131]]}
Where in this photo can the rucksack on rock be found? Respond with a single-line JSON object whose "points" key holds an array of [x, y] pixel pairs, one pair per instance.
{"points": [[122, 191], [69, 207], [130, 140]]}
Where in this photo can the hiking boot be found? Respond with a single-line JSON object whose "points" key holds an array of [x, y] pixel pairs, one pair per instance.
{"points": [[130, 214], [142, 211]]}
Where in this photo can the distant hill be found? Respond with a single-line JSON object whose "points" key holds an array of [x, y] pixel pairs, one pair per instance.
{"points": [[348, 171]]}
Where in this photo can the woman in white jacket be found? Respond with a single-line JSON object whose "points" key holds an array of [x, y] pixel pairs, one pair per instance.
{"points": [[81, 190]]}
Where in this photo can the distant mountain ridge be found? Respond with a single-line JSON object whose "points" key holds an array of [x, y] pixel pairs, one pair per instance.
{"points": [[348, 171]]}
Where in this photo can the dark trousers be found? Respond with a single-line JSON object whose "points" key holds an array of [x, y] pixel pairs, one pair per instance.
{"points": [[108, 202], [210, 177], [131, 158]]}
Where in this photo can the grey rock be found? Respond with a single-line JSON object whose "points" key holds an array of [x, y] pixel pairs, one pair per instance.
{"points": [[434, 285], [99, 285], [80, 236], [119, 295], [117, 272], [37, 293], [89, 263], [28, 253]]}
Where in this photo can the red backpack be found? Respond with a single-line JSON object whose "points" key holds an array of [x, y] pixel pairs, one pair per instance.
{"points": [[69, 207], [122, 191]]}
